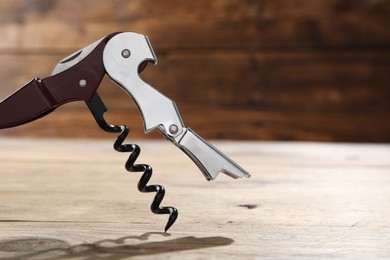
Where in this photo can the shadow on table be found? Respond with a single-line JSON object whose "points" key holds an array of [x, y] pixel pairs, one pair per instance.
{"points": [[47, 248]]}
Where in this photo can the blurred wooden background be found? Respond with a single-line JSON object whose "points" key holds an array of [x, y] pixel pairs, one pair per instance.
{"points": [[237, 69]]}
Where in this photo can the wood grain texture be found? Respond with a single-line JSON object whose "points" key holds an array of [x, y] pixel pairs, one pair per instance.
{"points": [[274, 70], [220, 23], [73, 198]]}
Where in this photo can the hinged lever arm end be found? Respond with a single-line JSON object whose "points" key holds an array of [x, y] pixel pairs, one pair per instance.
{"points": [[209, 159]]}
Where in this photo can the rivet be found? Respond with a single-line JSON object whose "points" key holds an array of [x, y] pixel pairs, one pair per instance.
{"points": [[173, 129], [82, 83], [126, 53]]}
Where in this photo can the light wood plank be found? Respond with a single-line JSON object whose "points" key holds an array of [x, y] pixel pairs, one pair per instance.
{"points": [[73, 198]]}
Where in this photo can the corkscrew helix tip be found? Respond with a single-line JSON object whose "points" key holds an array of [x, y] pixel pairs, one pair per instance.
{"points": [[97, 109]]}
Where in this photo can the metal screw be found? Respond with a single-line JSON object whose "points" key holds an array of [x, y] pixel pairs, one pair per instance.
{"points": [[173, 129], [126, 53], [82, 83]]}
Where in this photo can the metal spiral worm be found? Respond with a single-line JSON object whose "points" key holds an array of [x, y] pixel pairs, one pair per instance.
{"points": [[97, 108]]}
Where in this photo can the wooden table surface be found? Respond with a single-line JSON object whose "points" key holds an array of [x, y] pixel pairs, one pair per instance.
{"points": [[74, 199]]}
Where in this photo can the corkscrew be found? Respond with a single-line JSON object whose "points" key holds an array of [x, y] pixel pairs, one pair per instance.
{"points": [[97, 108], [122, 56]]}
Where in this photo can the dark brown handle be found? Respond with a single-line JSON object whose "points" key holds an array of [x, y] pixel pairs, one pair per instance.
{"points": [[26, 104], [40, 97]]}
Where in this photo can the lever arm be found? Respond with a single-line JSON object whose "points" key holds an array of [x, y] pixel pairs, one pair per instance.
{"points": [[123, 55]]}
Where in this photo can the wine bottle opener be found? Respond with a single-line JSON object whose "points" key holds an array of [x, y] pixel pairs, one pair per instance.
{"points": [[122, 56]]}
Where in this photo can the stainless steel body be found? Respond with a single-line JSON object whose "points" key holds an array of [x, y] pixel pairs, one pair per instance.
{"points": [[122, 56]]}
